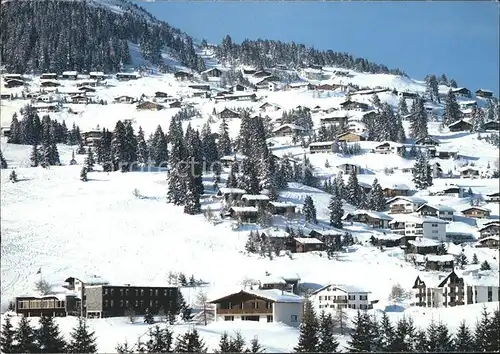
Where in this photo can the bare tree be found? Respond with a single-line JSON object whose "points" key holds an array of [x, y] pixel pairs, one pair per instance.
{"points": [[43, 287], [130, 313], [202, 303], [341, 318], [397, 293]]}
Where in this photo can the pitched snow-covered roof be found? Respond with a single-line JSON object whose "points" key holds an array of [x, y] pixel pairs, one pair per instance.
{"points": [[440, 258], [424, 242], [274, 295], [468, 168], [96, 73], [308, 240], [492, 238], [282, 204], [415, 200], [291, 126], [389, 237], [417, 219], [244, 209], [477, 207], [402, 187], [373, 214], [343, 288], [277, 233], [438, 207], [89, 279], [483, 278], [225, 190], [255, 197], [321, 143], [70, 73]]}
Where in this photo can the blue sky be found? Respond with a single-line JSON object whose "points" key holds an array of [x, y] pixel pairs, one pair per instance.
{"points": [[460, 39]]}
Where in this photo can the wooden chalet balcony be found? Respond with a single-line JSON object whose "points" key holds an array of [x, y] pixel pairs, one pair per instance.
{"points": [[260, 311]]}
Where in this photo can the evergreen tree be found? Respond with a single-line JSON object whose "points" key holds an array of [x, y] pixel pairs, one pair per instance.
{"points": [[224, 144], [35, 156], [422, 173], [443, 80], [485, 266], [403, 107], [48, 337], [477, 120], [82, 341], [404, 338], [309, 328], [3, 163], [190, 342], [89, 160], [336, 211], [452, 111], [25, 337], [142, 149], [493, 330], [421, 343], [148, 317], [7, 336], [453, 83], [15, 131], [130, 145], [444, 341], [192, 205], [481, 332], [361, 338], [209, 146], [353, 190], [418, 119], [255, 346], [83, 174], [224, 344], [386, 338], [376, 199], [160, 340], [158, 148], [327, 343], [432, 90], [119, 148], [474, 259], [309, 210], [464, 340], [13, 176], [231, 181], [237, 344]]}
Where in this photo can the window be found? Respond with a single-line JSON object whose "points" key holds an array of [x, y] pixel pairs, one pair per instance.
{"points": [[112, 292], [293, 318], [127, 304], [352, 297], [156, 304], [121, 292], [363, 297], [136, 292], [255, 305], [142, 292], [156, 292], [105, 291], [142, 303], [363, 307], [106, 303], [228, 318], [165, 292], [269, 305], [121, 303], [269, 318], [434, 231], [136, 303], [150, 292], [112, 303], [150, 303]]}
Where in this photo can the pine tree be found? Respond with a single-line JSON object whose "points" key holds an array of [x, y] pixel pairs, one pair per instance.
{"points": [[481, 332], [142, 148], [160, 340], [485, 266], [309, 210], [309, 328], [89, 160], [463, 341], [493, 330], [25, 337], [252, 242], [361, 339], [209, 146], [255, 346], [376, 200], [13, 176], [336, 211], [421, 343], [444, 342], [3, 163], [48, 336], [386, 333], [158, 148], [148, 317], [327, 343], [224, 344], [190, 342], [403, 107], [35, 156], [451, 112], [7, 336], [453, 83], [237, 344], [83, 174], [192, 205], [422, 173], [418, 119], [119, 148], [474, 259], [130, 145], [353, 190], [82, 341], [224, 144], [477, 120], [404, 338]]}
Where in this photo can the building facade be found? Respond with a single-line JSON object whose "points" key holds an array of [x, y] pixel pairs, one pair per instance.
{"points": [[341, 296]]}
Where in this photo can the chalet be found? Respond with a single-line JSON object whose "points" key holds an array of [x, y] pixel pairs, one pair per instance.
{"points": [[79, 99], [231, 193], [288, 130], [13, 83], [237, 97], [274, 86], [5, 96], [489, 242], [386, 240], [322, 147], [87, 83], [396, 190], [262, 73], [49, 83], [373, 219], [348, 168], [357, 127], [490, 229], [46, 107], [200, 87], [127, 76], [5, 131], [422, 245], [249, 71], [461, 91], [175, 104], [451, 191], [440, 263], [335, 296], [69, 75], [86, 89], [354, 106], [404, 94], [365, 187], [484, 93], [212, 72], [422, 226], [427, 141], [96, 75], [493, 198], [469, 172], [443, 291], [350, 137], [150, 106], [328, 236], [467, 113], [239, 88], [92, 138], [278, 238], [289, 283], [125, 99], [51, 305], [301, 85], [369, 115], [48, 76], [308, 244], [326, 87], [439, 211], [460, 126], [271, 305], [227, 113], [404, 205], [281, 208], [161, 94], [492, 125], [312, 74], [227, 161], [264, 83], [315, 66], [7, 77], [114, 300], [467, 104], [182, 75], [244, 214], [389, 147], [255, 200], [477, 212], [338, 119], [269, 107], [445, 154]]}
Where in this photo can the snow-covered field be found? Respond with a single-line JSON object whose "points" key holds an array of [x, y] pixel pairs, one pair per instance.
{"points": [[53, 221]]}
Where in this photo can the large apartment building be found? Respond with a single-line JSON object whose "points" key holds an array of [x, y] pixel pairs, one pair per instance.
{"points": [[341, 296]]}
